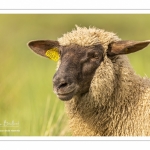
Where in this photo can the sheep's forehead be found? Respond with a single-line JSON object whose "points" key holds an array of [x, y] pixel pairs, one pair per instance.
{"points": [[87, 37]]}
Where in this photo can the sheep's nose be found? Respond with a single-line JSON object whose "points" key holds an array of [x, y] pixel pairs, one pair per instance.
{"points": [[62, 84]]}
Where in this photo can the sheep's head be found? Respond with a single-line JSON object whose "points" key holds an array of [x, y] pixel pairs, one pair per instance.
{"points": [[81, 53]]}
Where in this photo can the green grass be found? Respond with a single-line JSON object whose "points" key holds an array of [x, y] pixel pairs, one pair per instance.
{"points": [[26, 94]]}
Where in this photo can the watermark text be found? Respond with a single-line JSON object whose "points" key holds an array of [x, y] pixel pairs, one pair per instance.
{"points": [[9, 126]]}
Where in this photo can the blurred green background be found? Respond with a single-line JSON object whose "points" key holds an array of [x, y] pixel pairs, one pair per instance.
{"points": [[26, 96]]}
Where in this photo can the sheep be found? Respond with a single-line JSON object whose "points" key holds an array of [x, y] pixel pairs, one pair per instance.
{"points": [[103, 95]]}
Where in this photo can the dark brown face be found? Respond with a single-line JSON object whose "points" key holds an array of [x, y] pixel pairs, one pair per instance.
{"points": [[78, 65]]}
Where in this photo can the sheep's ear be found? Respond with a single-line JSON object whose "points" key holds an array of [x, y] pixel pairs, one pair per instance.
{"points": [[46, 48], [126, 47]]}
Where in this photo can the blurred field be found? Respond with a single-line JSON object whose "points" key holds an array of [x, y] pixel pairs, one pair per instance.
{"points": [[26, 95]]}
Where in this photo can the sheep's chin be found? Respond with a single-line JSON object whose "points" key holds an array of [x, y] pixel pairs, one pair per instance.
{"points": [[66, 97]]}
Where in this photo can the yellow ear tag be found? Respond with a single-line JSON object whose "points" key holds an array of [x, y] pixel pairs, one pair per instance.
{"points": [[53, 54]]}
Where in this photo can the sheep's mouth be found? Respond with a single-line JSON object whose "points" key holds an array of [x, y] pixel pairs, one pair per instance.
{"points": [[65, 91], [66, 96]]}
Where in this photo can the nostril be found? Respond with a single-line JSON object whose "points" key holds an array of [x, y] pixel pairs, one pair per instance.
{"points": [[62, 85]]}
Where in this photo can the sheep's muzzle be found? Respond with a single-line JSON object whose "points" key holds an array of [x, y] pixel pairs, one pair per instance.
{"points": [[64, 88]]}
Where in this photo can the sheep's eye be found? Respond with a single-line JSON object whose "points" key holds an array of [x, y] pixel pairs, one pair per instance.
{"points": [[96, 55], [93, 55]]}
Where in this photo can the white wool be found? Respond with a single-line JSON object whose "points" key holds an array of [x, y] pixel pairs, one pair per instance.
{"points": [[88, 36]]}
